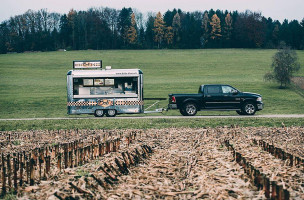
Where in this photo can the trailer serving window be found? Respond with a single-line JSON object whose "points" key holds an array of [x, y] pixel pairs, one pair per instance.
{"points": [[105, 87]]}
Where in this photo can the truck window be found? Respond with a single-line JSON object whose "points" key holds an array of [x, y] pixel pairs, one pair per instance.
{"points": [[227, 89], [102, 86], [214, 89], [200, 89]]}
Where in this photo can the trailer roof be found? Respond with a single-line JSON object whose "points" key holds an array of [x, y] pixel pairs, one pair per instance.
{"points": [[105, 73]]}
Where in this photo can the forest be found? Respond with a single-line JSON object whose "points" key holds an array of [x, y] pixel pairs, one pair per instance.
{"points": [[108, 28]]}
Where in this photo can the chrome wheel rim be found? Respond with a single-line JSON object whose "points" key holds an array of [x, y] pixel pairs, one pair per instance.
{"points": [[249, 108], [111, 112], [99, 112], [190, 109]]}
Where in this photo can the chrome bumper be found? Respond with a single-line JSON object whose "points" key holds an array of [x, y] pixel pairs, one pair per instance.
{"points": [[260, 106], [172, 106]]}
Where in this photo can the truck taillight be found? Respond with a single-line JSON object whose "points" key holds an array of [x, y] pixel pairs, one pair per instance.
{"points": [[173, 99]]}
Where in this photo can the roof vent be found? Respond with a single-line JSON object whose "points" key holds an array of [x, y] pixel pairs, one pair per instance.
{"points": [[108, 67]]}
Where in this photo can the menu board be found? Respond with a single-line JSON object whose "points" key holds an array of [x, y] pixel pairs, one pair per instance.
{"points": [[109, 82], [98, 82], [87, 82]]}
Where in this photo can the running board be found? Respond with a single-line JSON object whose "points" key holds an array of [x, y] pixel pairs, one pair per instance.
{"points": [[154, 111], [220, 110]]}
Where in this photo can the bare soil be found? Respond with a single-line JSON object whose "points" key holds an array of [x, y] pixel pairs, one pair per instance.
{"points": [[185, 164]]}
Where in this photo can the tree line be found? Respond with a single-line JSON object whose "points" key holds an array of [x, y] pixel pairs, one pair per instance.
{"points": [[107, 28]]}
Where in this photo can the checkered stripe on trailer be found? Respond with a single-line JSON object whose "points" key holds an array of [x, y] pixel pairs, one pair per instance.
{"points": [[117, 103], [82, 103], [129, 103]]}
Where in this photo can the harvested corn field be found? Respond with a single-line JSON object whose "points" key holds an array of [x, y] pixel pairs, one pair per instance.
{"points": [[220, 163]]}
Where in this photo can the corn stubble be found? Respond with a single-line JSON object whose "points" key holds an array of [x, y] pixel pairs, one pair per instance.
{"points": [[219, 163]]}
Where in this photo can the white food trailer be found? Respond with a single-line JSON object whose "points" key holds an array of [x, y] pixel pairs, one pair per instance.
{"points": [[93, 90]]}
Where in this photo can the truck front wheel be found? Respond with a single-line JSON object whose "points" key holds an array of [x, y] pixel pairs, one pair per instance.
{"points": [[190, 109], [249, 108], [239, 112]]}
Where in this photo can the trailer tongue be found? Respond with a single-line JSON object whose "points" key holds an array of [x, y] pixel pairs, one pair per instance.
{"points": [[155, 104]]}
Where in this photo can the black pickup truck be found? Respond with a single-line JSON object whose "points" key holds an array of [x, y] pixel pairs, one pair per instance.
{"points": [[216, 97]]}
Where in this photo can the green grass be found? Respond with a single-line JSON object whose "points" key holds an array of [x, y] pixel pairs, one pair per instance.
{"points": [[146, 123], [34, 84]]}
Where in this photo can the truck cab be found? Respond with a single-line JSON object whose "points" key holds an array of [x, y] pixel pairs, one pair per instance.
{"points": [[216, 97]]}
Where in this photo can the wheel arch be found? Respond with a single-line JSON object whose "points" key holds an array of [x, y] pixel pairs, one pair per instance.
{"points": [[190, 100], [248, 101]]}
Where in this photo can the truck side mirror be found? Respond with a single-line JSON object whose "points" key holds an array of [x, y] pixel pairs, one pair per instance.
{"points": [[234, 92]]}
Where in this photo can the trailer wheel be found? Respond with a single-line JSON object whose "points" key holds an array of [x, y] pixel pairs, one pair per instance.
{"points": [[99, 113], [111, 113]]}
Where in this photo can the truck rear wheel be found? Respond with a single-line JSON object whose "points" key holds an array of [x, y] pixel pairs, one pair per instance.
{"points": [[249, 108], [190, 109], [99, 113], [183, 112], [111, 113]]}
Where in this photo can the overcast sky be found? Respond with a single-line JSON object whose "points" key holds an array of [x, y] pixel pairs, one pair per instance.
{"points": [[276, 9]]}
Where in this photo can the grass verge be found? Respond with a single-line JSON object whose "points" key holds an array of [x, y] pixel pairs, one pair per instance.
{"points": [[146, 123]]}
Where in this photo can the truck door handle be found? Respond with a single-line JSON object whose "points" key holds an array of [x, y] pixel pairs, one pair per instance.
{"points": [[225, 95], [208, 95]]}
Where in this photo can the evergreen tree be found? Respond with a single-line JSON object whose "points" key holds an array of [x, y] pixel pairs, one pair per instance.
{"points": [[296, 34], [65, 31], [71, 23], [141, 37], [124, 22], [149, 33], [159, 29], [3, 37], [168, 17], [275, 35]]}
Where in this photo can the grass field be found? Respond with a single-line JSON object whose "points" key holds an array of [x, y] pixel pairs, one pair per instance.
{"points": [[107, 123], [34, 84]]}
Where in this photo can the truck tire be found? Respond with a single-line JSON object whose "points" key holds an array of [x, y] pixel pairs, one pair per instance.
{"points": [[190, 109], [183, 112], [99, 113], [249, 108], [239, 112], [111, 113]]}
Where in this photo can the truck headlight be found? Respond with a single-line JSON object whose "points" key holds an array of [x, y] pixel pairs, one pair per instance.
{"points": [[259, 99]]}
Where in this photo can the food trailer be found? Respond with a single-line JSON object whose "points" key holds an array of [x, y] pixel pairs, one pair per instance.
{"points": [[97, 91]]}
